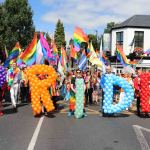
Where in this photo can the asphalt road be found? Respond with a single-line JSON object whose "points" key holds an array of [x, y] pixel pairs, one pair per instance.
{"points": [[67, 133]]}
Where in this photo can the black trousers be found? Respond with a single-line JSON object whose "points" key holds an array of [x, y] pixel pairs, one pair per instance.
{"points": [[55, 99], [102, 102], [1, 100], [88, 96], [24, 94], [138, 106]]}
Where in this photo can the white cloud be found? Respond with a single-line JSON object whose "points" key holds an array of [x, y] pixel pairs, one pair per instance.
{"points": [[93, 14]]}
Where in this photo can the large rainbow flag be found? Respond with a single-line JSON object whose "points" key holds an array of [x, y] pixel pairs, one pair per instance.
{"points": [[79, 37], [13, 55], [121, 56], [29, 55]]}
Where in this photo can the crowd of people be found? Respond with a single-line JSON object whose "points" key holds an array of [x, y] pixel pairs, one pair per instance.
{"points": [[17, 85]]}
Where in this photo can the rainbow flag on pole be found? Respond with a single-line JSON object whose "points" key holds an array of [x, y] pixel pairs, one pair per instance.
{"points": [[73, 53], [121, 56], [29, 55], [13, 55], [79, 37]]}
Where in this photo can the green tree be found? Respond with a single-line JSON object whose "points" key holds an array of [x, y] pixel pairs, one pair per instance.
{"points": [[109, 26], [95, 41], [48, 38], [16, 23], [59, 35]]}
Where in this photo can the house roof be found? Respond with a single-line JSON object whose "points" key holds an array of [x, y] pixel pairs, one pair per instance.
{"points": [[140, 21]]}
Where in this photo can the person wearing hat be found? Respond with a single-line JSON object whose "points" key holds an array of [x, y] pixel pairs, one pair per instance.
{"points": [[137, 86]]}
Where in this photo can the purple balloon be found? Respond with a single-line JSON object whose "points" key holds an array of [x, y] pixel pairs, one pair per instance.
{"points": [[2, 75]]}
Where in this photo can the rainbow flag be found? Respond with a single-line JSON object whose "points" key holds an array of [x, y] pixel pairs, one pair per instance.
{"points": [[73, 53], [104, 58], [63, 59], [121, 56], [11, 75], [54, 53], [29, 55], [79, 37], [13, 55]]}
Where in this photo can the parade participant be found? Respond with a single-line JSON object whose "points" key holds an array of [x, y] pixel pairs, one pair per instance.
{"points": [[24, 85], [122, 94], [1, 106], [56, 92], [137, 89], [89, 89], [95, 88], [71, 95], [1, 88], [13, 79]]}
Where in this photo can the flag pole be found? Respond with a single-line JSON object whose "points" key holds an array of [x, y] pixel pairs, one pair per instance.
{"points": [[139, 61]]}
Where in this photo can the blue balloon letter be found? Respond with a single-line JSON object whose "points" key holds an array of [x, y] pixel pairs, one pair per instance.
{"points": [[108, 106]]}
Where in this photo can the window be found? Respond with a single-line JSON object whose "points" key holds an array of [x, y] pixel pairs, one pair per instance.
{"points": [[138, 39], [119, 38]]}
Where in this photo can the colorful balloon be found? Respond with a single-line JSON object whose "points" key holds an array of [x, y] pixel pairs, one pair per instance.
{"points": [[2, 75], [79, 98], [145, 92], [110, 81], [40, 80]]}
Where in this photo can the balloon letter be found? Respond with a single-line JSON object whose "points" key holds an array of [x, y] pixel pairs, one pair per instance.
{"points": [[108, 106], [145, 92], [41, 77], [79, 98]]}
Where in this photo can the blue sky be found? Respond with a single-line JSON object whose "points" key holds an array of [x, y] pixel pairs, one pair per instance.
{"points": [[90, 15]]}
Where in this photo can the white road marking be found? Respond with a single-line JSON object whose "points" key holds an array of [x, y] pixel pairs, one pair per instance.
{"points": [[140, 136], [35, 135]]}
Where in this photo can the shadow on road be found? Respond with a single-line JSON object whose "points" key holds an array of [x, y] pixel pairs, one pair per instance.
{"points": [[116, 115], [9, 111]]}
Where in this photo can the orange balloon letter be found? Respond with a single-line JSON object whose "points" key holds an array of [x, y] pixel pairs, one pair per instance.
{"points": [[41, 77]]}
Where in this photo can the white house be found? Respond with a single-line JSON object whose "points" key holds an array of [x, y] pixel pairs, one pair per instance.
{"points": [[132, 34]]}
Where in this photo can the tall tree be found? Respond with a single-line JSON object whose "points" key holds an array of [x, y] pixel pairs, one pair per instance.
{"points": [[95, 41], [109, 26], [17, 24], [59, 35]]}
